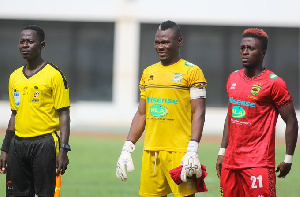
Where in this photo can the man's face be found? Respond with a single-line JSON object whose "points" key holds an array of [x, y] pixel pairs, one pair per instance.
{"points": [[167, 46], [251, 52], [29, 45]]}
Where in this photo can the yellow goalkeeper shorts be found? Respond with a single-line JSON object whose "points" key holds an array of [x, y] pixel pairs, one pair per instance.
{"points": [[155, 177]]}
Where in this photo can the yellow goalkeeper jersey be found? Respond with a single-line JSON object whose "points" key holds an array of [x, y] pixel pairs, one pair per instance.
{"points": [[36, 100], [168, 107]]}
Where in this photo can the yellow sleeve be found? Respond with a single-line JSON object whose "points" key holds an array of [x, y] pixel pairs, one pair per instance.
{"points": [[196, 77], [60, 91], [142, 86], [11, 93]]}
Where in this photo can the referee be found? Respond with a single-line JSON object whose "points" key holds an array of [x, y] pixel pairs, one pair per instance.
{"points": [[32, 153]]}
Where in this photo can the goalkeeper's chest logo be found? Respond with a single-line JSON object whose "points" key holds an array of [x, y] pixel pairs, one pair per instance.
{"points": [[158, 111], [177, 77]]}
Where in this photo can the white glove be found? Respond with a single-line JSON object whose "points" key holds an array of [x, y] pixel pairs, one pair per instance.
{"points": [[125, 160], [190, 162]]}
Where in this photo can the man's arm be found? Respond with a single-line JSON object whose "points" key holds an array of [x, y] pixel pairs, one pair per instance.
{"points": [[125, 163], [198, 117], [138, 123], [288, 115], [224, 145], [6, 142], [64, 123], [190, 161]]}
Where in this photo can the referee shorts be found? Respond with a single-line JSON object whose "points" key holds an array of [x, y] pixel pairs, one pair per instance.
{"points": [[155, 178], [31, 166], [248, 182]]}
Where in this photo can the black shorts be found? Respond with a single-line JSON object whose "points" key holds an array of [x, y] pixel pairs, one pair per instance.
{"points": [[31, 166]]}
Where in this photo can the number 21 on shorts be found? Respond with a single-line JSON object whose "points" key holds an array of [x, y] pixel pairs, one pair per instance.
{"points": [[256, 182]]}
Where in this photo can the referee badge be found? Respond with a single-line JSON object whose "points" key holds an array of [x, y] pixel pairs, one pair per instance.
{"points": [[17, 98]]}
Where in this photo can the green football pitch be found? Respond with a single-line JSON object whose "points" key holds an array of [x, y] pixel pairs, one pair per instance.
{"points": [[91, 171]]}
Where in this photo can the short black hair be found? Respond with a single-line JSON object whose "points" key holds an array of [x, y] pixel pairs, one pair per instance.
{"points": [[260, 34], [40, 32], [170, 25]]}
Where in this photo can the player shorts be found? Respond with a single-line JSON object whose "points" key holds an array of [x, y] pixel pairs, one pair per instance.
{"points": [[155, 177], [250, 182], [31, 166]]}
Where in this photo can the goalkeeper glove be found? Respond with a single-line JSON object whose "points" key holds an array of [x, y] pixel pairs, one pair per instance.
{"points": [[125, 160], [190, 162]]}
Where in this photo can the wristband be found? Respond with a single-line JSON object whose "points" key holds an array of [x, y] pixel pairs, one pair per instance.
{"points": [[222, 151], [6, 141], [288, 158]]}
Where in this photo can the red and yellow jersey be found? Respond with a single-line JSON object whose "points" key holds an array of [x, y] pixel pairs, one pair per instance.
{"points": [[252, 116], [36, 100], [168, 107]]}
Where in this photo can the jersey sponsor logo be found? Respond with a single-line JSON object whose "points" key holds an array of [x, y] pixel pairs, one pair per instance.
{"points": [[255, 89], [189, 64], [273, 76], [161, 100], [238, 112], [241, 103], [158, 111], [177, 77], [17, 98]]}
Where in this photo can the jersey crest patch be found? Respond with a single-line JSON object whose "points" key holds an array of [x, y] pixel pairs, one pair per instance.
{"points": [[273, 76], [177, 77], [255, 89], [189, 64]]}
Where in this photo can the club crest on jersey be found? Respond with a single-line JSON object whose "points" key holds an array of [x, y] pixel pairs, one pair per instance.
{"points": [[177, 77], [35, 98], [255, 89]]}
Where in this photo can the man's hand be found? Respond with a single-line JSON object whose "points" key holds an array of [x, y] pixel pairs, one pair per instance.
{"points": [[125, 160], [62, 161], [190, 162], [283, 169], [219, 165], [3, 162]]}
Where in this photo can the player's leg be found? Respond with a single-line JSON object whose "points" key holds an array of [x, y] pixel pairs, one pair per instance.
{"points": [[230, 184], [44, 166], [259, 182], [19, 179], [170, 161], [153, 181]]}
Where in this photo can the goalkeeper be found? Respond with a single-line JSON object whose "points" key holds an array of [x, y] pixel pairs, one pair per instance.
{"points": [[172, 113]]}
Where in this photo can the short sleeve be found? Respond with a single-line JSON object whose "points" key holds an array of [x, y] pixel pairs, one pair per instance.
{"points": [[11, 93], [142, 86], [60, 91], [196, 77], [280, 94]]}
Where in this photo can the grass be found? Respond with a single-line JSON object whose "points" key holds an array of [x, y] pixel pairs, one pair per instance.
{"points": [[91, 171]]}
